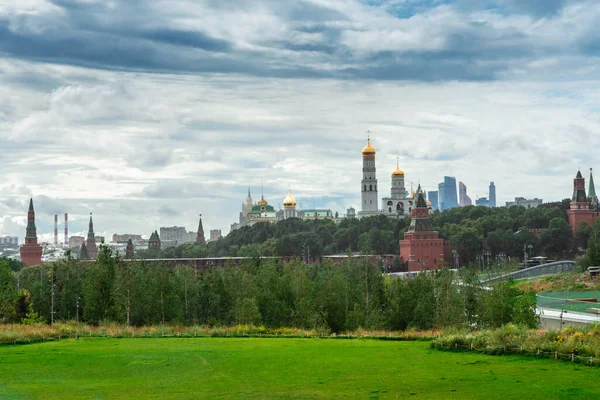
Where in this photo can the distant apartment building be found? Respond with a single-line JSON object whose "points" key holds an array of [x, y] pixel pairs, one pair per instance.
{"points": [[175, 236], [464, 199], [492, 194], [126, 237], [76, 241], [215, 234], [9, 241], [447, 193], [433, 197], [527, 203]]}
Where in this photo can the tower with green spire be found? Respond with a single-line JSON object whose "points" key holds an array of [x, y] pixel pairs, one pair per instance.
{"points": [[31, 251], [83, 252], [592, 193]]}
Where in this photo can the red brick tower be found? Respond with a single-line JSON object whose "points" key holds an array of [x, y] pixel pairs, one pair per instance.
{"points": [[129, 250], [31, 251], [421, 247], [91, 241], [580, 210], [154, 241]]}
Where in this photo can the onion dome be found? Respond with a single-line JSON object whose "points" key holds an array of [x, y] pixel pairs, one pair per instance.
{"points": [[398, 171], [428, 203], [289, 201], [368, 150], [262, 201]]}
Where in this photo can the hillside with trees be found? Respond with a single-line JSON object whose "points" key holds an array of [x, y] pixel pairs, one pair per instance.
{"points": [[469, 230]]}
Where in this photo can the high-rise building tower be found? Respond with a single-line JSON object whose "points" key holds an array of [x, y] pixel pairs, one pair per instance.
{"points": [[433, 197], [31, 251], [447, 192], [464, 199], [91, 240], [289, 206], [369, 198], [246, 208], [200, 234], [580, 207], [492, 194]]}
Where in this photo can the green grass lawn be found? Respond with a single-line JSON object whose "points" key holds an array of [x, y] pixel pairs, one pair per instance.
{"points": [[219, 368]]}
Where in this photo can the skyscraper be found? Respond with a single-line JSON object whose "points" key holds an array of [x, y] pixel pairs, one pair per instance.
{"points": [[464, 199], [442, 196], [492, 194], [369, 200], [434, 199], [447, 193]]}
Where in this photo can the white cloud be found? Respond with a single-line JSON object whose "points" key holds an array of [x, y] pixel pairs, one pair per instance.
{"points": [[144, 150]]}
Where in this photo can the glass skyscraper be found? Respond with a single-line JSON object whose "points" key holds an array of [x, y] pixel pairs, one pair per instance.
{"points": [[492, 194], [434, 199], [447, 193]]}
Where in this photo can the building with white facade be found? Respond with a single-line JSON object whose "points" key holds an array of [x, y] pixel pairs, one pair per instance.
{"points": [[527, 203], [175, 236]]}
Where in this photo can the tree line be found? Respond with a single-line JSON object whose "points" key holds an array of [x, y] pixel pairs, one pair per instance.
{"points": [[339, 297], [469, 230]]}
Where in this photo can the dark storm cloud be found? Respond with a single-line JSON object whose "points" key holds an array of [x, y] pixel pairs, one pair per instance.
{"points": [[298, 39], [538, 8], [186, 38]]}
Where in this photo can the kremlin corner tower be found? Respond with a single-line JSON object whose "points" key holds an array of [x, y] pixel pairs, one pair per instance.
{"points": [[31, 251], [92, 248]]}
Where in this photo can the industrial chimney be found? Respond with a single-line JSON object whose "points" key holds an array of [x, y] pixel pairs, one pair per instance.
{"points": [[66, 230], [56, 229]]}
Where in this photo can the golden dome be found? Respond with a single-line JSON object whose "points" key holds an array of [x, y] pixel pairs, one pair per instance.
{"points": [[368, 150], [398, 171], [262, 201], [289, 201], [428, 203]]}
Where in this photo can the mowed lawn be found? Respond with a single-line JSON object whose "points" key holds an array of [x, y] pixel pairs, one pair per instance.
{"points": [[219, 368]]}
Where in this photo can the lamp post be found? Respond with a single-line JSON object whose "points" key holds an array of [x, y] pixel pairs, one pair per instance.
{"points": [[52, 298], [455, 258], [77, 305], [530, 248]]}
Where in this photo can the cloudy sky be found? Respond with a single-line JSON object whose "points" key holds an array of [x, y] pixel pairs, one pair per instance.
{"points": [[149, 112]]}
